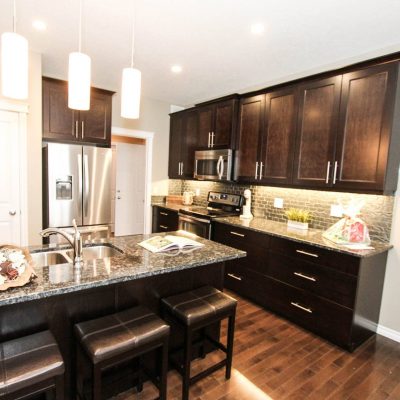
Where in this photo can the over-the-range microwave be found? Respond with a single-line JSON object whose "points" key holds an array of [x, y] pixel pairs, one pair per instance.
{"points": [[213, 165]]}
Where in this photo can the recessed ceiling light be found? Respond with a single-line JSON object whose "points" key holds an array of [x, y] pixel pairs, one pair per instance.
{"points": [[176, 69], [39, 25], [257, 29]]}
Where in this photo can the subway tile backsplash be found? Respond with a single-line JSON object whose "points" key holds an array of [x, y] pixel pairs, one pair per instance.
{"points": [[376, 212]]}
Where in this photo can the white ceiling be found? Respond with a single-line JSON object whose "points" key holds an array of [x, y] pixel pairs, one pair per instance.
{"points": [[211, 39]]}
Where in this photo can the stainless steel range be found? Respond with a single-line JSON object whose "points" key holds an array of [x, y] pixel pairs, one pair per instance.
{"points": [[198, 220]]}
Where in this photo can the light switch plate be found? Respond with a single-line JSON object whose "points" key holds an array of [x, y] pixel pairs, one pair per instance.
{"points": [[278, 202], [336, 210]]}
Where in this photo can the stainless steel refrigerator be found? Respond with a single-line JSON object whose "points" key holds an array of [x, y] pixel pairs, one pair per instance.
{"points": [[77, 184]]}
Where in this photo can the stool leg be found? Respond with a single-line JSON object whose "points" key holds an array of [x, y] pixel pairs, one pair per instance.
{"points": [[60, 387], [186, 364], [164, 370], [229, 353], [139, 386], [79, 372], [202, 347], [96, 383]]}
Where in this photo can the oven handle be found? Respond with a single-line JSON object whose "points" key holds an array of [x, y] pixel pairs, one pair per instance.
{"points": [[190, 218]]}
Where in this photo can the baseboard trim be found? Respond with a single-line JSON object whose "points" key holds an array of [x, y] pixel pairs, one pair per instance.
{"points": [[389, 333]]}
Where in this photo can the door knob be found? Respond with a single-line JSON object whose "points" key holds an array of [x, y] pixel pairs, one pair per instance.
{"points": [[12, 212], [119, 197]]}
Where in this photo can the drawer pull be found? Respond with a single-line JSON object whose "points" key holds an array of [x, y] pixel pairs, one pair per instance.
{"points": [[307, 253], [237, 234], [310, 278], [163, 226], [301, 307], [238, 278], [164, 213]]}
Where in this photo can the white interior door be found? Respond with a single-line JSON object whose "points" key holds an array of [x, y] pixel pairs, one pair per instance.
{"points": [[10, 211], [130, 181]]}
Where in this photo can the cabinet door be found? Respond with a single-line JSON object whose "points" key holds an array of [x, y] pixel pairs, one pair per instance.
{"points": [[58, 119], [316, 132], [205, 126], [175, 145], [251, 119], [279, 136], [365, 126], [223, 133], [189, 144], [95, 124]]}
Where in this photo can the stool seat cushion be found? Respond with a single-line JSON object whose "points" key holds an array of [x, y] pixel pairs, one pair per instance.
{"points": [[29, 360], [196, 306], [115, 334]]}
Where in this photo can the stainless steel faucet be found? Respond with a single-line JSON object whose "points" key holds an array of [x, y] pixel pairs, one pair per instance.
{"points": [[74, 240]]}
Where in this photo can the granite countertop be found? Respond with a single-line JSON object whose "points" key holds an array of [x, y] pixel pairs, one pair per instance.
{"points": [[172, 206], [310, 236], [135, 263]]}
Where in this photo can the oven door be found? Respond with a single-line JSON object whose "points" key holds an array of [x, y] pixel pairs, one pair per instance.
{"points": [[198, 226], [213, 165]]}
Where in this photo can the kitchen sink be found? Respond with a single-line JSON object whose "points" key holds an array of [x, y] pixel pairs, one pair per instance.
{"points": [[97, 252], [46, 258]]}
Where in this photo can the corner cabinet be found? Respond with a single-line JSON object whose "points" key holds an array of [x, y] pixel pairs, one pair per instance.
{"points": [[62, 124], [336, 295]]}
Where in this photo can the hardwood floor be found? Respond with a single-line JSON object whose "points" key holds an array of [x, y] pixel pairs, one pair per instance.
{"points": [[275, 359]]}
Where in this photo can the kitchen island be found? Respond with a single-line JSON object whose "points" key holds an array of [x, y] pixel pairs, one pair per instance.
{"points": [[62, 295]]}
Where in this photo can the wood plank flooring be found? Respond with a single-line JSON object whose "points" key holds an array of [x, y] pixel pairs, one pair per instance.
{"points": [[275, 359]]}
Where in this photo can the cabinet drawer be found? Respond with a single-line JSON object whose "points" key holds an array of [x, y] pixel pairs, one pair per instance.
{"points": [[323, 317], [339, 261], [317, 279], [235, 278], [164, 220]]}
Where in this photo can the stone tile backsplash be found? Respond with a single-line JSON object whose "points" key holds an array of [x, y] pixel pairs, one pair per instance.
{"points": [[376, 212]]}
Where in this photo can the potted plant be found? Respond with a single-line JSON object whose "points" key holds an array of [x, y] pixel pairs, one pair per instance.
{"points": [[298, 218]]}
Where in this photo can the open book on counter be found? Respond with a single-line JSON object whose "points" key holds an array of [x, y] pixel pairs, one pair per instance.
{"points": [[158, 244]]}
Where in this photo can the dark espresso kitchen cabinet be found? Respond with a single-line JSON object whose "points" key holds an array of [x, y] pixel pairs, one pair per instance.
{"points": [[333, 294], [164, 220], [183, 140], [60, 123], [216, 124], [316, 132]]}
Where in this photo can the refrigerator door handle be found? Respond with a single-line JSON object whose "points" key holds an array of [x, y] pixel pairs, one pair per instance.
{"points": [[86, 184], [80, 185]]}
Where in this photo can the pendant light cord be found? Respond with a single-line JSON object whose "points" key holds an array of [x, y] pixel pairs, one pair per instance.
{"points": [[80, 27], [14, 16], [133, 34]]}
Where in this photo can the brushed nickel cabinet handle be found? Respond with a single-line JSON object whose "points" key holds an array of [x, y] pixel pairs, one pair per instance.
{"points": [[83, 129], [238, 278], [237, 234], [307, 253], [310, 278], [164, 213], [301, 307], [163, 227], [328, 167], [182, 168], [256, 174], [76, 129], [261, 167], [335, 172], [209, 140], [212, 139]]}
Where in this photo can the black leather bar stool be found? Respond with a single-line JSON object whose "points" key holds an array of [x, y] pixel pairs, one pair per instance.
{"points": [[194, 311], [31, 365], [120, 337]]}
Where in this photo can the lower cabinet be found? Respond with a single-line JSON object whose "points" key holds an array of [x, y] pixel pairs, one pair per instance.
{"points": [[164, 220], [335, 295]]}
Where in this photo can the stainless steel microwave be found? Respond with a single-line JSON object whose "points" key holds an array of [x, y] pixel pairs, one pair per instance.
{"points": [[213, 165]]}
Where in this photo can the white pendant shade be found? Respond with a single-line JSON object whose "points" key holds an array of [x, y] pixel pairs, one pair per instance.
{"points": [[130, 93], [14, 66], [79, 76]]}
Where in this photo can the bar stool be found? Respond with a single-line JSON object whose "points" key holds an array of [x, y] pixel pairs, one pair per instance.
{"points": [[120, 337], [31, 365], [194, 311]]}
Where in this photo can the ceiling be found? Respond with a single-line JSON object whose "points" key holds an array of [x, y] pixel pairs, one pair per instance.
{"points": [[210, 39]]}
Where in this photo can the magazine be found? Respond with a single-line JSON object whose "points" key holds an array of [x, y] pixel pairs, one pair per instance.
{"points": [[157, 244]]}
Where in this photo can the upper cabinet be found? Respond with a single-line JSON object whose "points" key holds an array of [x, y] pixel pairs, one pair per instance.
{"points": [[60, 123], [216, 124]]}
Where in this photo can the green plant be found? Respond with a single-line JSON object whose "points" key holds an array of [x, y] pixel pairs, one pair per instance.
{"points": [[298, 215]]}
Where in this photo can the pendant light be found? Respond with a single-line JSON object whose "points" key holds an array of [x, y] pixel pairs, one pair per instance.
{"points": [[14, 63], [131, 85], [79, 75]]}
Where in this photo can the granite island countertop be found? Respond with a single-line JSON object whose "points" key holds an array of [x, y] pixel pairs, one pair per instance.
{"points": [[134, 263], [310, 236]]}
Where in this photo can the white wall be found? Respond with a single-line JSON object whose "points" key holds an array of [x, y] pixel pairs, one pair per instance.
{"points": [[154, 117], [390, 309], [34, 145]]}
